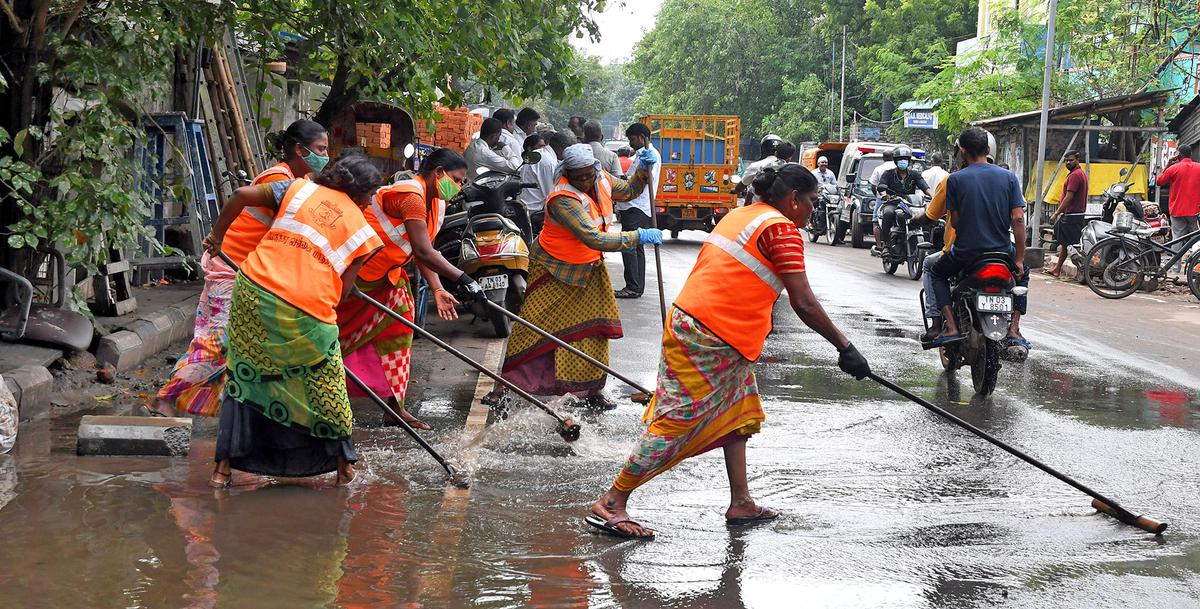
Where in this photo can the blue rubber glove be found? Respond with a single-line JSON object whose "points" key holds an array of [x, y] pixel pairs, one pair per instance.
{"points": [[646, 158], [653, 236]]}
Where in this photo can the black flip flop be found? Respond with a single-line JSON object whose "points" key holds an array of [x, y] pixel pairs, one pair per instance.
{"points": [[610, 527], [765, 514]]}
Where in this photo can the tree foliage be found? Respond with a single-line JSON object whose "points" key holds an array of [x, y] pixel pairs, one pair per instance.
{"points": [[404, 52], [79, 75], [1102, 47], [66, 172], [592, 99]]}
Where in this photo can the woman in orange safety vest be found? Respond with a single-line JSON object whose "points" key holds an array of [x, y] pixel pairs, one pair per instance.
{"points": [[198, 380], [707, 396], [407, 216], [286, 411], [569, 293]]}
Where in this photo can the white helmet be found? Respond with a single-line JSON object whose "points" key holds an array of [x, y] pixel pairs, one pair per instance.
{"points": [[992, 147]]}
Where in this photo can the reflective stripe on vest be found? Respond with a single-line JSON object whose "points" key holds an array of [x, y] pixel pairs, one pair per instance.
{"points": [[259, 214], [396, 233], [737, 249], [733, 287], [336, 257]]}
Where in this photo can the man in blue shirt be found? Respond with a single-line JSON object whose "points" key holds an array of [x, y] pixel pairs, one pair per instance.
{"points": [[984, 202]]}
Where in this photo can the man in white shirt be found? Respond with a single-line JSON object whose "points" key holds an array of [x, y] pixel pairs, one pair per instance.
{"points": [[542, 174], [593, 135], [936, 172], [527, 120], [784, 153], [824, 175], [508, 136], [635, 214], [487, 151]]}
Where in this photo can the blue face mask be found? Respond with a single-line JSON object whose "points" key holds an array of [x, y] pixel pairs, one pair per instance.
{"points": [[902, 164], [314, 161]]}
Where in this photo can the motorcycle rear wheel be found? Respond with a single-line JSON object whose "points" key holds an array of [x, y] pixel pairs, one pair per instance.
{"points": [[1106, 281], [986, 369]]}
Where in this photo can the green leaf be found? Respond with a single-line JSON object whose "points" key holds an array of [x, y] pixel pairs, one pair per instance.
{"points": [[16, 241], [19, 142]]}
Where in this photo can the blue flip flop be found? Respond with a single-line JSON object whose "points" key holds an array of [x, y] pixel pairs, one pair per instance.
{"points": [[942, 340], [1019, 342]]}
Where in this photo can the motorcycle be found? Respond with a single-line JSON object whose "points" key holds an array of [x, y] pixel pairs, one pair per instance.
{"points": [[824, 213], [982, 301], [487, 234], [907, 243], [1145, 216]]}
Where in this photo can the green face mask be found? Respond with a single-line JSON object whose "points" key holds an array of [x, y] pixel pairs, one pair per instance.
{"points": [[314, 161], [447, 188]]}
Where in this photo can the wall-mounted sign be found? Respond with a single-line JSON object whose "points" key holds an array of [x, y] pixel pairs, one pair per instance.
{"points": [[920, 119]]}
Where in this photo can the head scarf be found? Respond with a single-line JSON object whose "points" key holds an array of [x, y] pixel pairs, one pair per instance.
{"points": [[574, 157]]}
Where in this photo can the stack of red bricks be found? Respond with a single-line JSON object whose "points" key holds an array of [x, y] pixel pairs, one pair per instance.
{"points": [[373, 135], [454, 130]]}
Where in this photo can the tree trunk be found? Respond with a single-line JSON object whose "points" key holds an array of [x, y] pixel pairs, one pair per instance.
{"points": [[341, 94]]}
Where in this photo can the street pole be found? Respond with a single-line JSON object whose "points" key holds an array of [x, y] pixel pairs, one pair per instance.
{"points": [[842, 111], [832, 81], [1038, 203]]}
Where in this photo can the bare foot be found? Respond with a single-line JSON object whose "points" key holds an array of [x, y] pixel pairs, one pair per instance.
{"points": [[609, 507], [345, 473], [748, 509], [412, 421], [1054, 272], [162, 407]]}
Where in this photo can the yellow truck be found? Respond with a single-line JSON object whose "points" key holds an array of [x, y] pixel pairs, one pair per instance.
{"points": [[699, 156]]}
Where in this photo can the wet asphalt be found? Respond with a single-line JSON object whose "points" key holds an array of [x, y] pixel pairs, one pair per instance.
{"points": [[883, 504]]}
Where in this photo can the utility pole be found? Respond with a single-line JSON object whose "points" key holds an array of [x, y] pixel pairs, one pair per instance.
{"points": [[842, 112], [832, 81], [1038, 203]]}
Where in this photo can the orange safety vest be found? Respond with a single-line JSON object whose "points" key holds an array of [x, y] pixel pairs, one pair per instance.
{"points": [[251, 225], [316, 235], [558, 240], [397, 250], [733, 287]]}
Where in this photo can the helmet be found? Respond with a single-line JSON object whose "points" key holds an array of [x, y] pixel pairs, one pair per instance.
{"points": [[768, 143], [901, 152], [991, 139]]}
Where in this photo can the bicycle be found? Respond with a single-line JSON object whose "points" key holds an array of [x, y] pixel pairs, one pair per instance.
{"points": [[1118, 265]]}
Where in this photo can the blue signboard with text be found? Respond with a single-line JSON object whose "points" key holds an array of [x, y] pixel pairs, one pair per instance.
{"points": [[920, 119]]}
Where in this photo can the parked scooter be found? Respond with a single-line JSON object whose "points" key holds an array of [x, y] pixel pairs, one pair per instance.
{"points": [[1144, 217], [982, 301], [487, 234]]}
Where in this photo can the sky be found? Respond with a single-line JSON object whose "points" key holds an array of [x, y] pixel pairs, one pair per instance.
{"points": [[622, 25]]}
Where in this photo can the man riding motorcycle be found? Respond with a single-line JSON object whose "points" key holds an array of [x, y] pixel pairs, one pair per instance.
{"points": [[983, 202], [898, 182], [767, 158]]}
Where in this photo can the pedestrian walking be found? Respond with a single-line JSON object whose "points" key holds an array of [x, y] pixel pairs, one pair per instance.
{"points": [[593, 135], [936, 172], [1069, 217], [406, 216], [569, 292], [635, 214], [286, 411], [1183, 177], [198, 380], [540, 173], [707, 395]]}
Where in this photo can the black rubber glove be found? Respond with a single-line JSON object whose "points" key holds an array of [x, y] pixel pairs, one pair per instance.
{"points": [[852, 362], [471, 288]]}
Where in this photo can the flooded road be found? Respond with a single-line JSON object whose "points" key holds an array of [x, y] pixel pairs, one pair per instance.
{"points": [[883, 504]]}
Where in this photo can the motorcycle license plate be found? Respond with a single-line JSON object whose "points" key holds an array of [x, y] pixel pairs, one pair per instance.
{"points": [[995, 304], [494, 282], [688, 214]]}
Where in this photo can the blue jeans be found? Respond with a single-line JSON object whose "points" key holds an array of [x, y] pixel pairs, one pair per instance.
{"points": [[953, 262], [931, 308]]}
